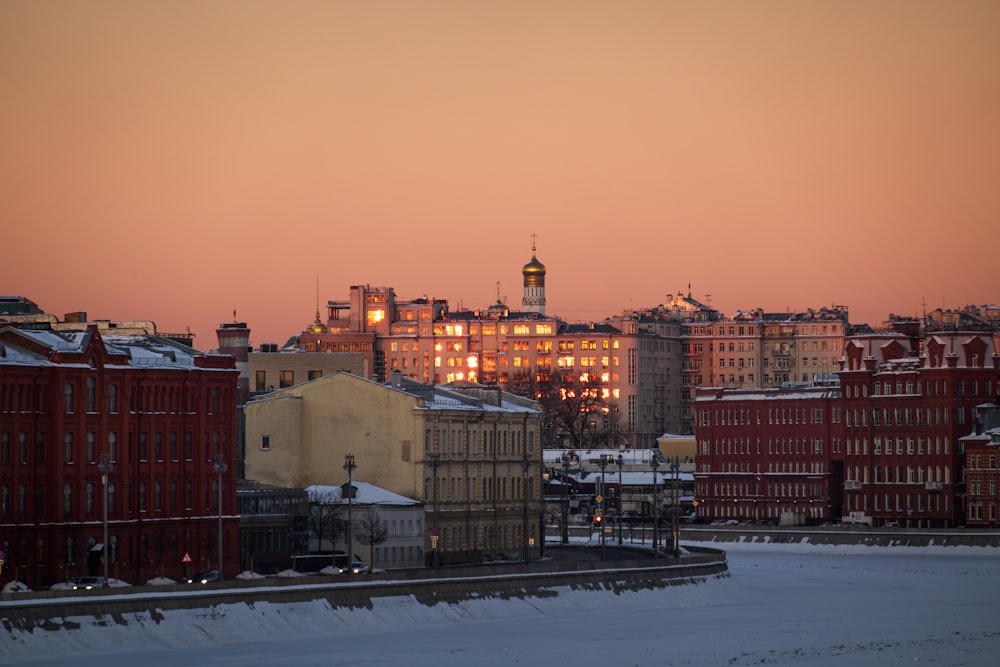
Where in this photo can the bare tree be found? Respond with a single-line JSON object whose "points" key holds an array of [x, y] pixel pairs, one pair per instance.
{"points": [[577, 406], [326, 518], [371, 530]]}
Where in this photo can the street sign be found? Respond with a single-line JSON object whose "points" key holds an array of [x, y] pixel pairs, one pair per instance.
{"points": [[599, 499], [187, 558]]}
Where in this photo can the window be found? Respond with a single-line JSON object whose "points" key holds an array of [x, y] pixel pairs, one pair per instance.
{"points": [[68, 396], [315, 375], [260, 381], [265, 442], [68, 442], [113, 398], [91, 395], [91, 447], [286, 379], [67, 499]]}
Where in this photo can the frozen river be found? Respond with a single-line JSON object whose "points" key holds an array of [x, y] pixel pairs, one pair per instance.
{"points": [[781, 606]]}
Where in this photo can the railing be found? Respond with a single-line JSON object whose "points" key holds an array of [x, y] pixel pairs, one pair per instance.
{"points": [[852, 485], [933, 486]]}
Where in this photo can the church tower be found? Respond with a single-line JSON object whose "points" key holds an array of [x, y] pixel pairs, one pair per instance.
{"points": [[534, 284]]}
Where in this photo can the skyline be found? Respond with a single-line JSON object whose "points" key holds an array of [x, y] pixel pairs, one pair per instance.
{"points": [[179, 161]]}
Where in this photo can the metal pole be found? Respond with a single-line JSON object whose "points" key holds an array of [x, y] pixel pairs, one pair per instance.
{"points": [[220, 467], [565, 509], [524, 489], [349, 467], [654, 463], [675, 528], [621, 462], [105, 467], [604, 464]]}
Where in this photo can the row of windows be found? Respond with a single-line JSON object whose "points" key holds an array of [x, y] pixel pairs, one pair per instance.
{"points": [[911, 387], [148, 498], [485, 489], [904, 416], [74, 450], [890, 502], [737, 491], [31, 398], [935, 446], [744, 416], [460, 441], [899, 474]]}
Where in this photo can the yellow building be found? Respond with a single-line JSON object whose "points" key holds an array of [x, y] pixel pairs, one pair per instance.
{"points": [[471, 454]]}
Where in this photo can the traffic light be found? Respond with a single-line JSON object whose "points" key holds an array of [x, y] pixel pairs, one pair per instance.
{"points": [[598, 517]]}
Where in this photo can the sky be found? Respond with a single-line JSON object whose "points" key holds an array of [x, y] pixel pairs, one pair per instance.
{"points": [[176, 161], [782, 606]]}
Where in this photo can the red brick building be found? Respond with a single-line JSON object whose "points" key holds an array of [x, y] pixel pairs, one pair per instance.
{"points": [[769, 455], [158, 411], [907, 403]]}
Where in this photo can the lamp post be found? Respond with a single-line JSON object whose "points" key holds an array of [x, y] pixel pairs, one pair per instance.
{"points": [[105, 467], [675, 528], [566, 457], [220, 467], [621, 462], [526, 464], [349, 466], [435, 531], [654, 463], [604, 464]]}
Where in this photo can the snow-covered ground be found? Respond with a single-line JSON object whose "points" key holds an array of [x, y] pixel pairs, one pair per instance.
{"points": [[782, 605]]}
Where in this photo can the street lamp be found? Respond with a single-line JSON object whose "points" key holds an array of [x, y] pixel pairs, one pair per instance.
{"points": [[604, 464], [105, 467], [220, 467], [654, 463], [349, 466], [566, 458], [675, 529], [526, 464], [621, 462]]}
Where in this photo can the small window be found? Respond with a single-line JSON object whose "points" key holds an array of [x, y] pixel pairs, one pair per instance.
{"points": [[265, 442], [286, 379]]}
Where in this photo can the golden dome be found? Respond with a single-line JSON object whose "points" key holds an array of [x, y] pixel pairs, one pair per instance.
{"points": [[534, 267]]}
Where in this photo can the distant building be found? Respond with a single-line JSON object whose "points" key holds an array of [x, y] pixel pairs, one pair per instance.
{"points": [[907, 404], [375, 511], [157, 412], [470, 454], [770, 455], [274, 526], [981, 450]]}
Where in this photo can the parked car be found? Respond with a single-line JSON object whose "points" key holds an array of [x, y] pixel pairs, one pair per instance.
{"points": [[86, 583], [358, 567], [204, 577]]}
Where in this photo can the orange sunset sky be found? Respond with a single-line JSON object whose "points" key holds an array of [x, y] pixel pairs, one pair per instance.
{"points": [[177, 160]]}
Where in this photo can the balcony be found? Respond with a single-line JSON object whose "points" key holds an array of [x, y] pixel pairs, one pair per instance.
{"points": [[852, 485], [933, 486]]}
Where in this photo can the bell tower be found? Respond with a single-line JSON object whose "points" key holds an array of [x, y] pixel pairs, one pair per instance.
{"points": [[533, 300]]}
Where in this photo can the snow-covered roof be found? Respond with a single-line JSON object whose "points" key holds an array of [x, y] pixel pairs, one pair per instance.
{"points": [[367, 494]]}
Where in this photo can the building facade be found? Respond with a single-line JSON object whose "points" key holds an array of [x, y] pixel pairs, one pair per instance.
{"points": [[907, 403], [471, 454], [769, 455], [131, 424]]}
